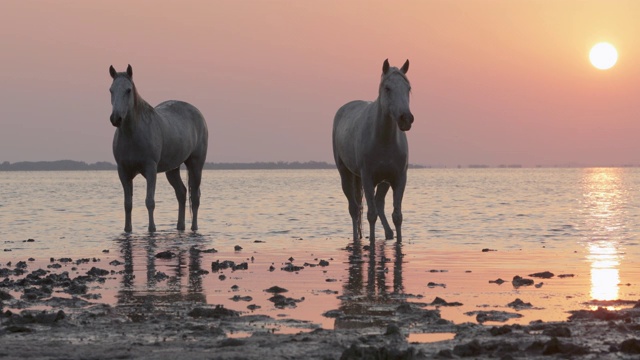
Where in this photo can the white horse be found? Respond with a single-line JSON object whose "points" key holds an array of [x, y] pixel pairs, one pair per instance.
{"points": [[151, 140], [370, 149]]}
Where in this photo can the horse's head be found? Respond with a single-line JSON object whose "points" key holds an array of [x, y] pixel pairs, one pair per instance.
{"points": [[122, 95], [394, 94]]}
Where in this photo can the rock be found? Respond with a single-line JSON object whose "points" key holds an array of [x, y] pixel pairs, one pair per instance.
{"points": [[472, 348], [276, 290], [557, 331], [237, 248], [97, 272], [543, 275], [218, 312], [442, 302], [502, 330], [519, 304], [165, 255], [487, 250], [281, 301], [497, 281], [555, 346], [630, 346], [291, 268], [562, 276], [432, 285], [520, 281]]}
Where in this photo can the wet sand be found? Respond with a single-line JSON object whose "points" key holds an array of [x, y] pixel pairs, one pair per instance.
{"points": [[193, 301]]}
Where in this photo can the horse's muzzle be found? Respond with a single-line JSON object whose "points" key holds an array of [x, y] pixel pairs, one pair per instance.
{"points": [[405, 122], [116, 120]]}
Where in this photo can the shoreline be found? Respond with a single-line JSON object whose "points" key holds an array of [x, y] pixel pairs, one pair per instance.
{"points": [[77, 322]]}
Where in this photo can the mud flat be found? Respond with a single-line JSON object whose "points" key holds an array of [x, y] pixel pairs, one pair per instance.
{"points": [[49, 314]]}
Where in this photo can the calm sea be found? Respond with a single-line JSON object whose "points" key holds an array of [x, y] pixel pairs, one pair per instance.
{"points": [[583, 222]]}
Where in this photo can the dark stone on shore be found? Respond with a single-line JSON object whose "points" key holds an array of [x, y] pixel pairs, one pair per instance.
{"points": [[557, 331], [469, 349], [497, 281], [97, 272], [519, 304], [253, 307], [165, 255], [281, 301], [228, 264], [231, 342], [520, 281], [555, 346], [218, 312], [562, 276], [241, 298], [502, 330], [237, 248], [5, 295], [543, 275], [442, 302], [356, 352], [487, 250], [291, 268], [17, 329], [116, 263], [276, 290], [323, 263], [599, 314], [630, 346]]}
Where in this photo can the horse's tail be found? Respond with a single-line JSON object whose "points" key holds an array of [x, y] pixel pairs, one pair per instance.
{"points": [[189, 194]]}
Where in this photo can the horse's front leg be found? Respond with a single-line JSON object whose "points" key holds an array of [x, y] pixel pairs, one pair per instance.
{"points": [[398, 193], [127, 185], [150, 174], [381, 192], [372, 213]]}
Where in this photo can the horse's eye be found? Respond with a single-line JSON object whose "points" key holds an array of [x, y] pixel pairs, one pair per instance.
{"points": [[387, 89], [128, 91]]}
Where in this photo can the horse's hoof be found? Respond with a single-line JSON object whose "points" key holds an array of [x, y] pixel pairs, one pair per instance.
{"points": [[181, 227], [388, 235], [152, 229]]}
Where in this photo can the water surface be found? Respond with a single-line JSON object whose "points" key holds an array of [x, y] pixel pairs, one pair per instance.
{"points": [[582, 222]]}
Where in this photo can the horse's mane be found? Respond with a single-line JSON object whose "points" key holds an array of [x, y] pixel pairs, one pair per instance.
{"points": [[141, 107]]}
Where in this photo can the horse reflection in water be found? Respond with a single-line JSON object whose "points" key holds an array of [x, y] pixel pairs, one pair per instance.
{"points": [[365, 304], [160, 290]]}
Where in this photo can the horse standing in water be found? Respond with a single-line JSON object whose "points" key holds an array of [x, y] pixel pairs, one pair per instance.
{"points": [[370, 150], [152, 140]]}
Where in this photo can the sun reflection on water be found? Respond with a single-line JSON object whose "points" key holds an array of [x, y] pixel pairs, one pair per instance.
{"points": [[605, 199]]}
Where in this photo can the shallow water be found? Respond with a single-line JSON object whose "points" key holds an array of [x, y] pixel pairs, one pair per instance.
{"points": [[583, 222]]}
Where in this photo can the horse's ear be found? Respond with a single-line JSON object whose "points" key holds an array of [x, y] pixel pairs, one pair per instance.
{"points": [[405, 67], [130, 71], [385, 66], [112, 72]]}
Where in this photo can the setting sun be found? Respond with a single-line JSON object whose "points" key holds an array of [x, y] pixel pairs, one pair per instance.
{"points": [[603, 56]]}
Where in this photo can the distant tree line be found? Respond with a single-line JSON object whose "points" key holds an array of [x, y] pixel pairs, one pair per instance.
{"points": [[71, 165], [60, 165]]}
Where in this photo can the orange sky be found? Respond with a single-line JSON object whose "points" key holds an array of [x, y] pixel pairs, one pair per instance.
{"points": [[494, 82]]}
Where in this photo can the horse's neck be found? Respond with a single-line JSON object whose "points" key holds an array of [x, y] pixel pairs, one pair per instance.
{"points": [[384, 128], [141, 116]]}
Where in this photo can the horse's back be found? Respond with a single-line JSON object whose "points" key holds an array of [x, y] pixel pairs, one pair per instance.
{"points": [[185, 133], [347, 128]]}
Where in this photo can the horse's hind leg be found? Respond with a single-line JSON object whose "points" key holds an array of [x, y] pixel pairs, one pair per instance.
{"points": [[381, 192], [181, 194], [195, 177], [353, 191]]}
